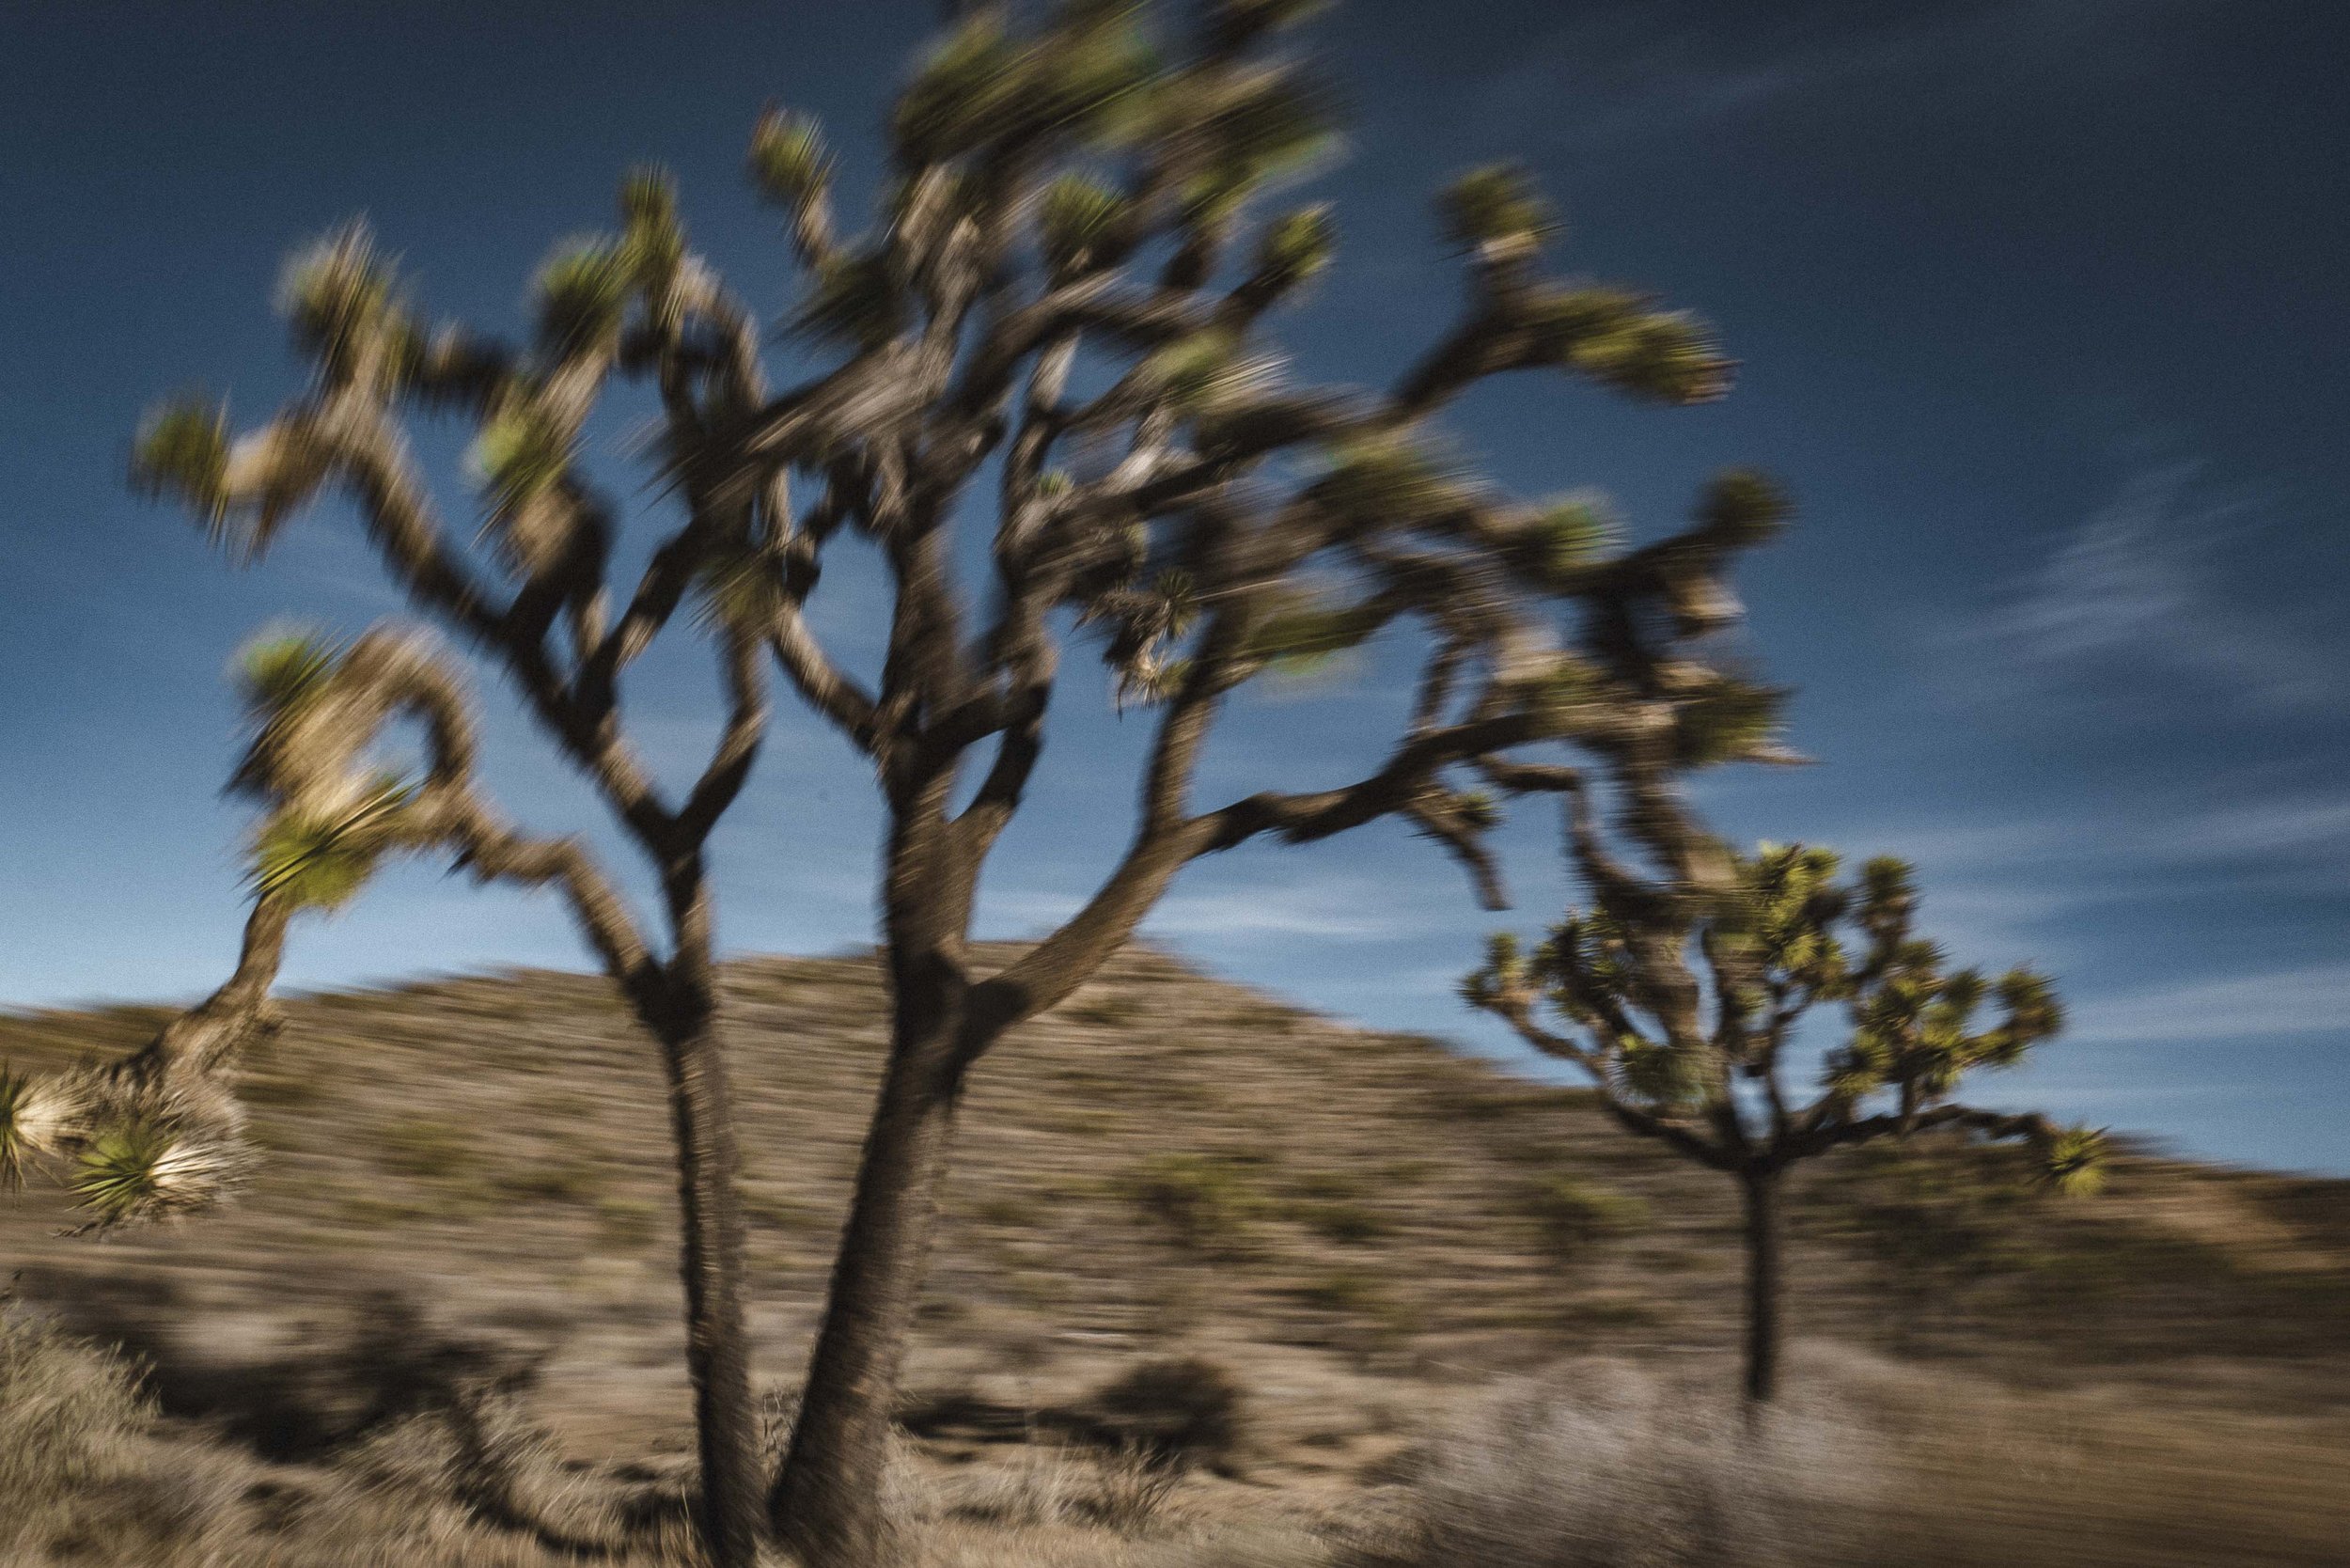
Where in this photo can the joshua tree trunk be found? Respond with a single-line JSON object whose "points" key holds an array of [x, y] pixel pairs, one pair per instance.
{"points": [[1761, 1190], [827, 1502], [711, 1257]]}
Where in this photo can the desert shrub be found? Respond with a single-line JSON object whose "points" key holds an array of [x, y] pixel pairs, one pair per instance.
{"points": [[1174, 1411], [1203, 1202], [1573, 1213], [82, 1476], [1600, 1466], [1123, 1491]]}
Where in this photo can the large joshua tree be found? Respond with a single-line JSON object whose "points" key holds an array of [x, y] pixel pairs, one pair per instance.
{"points": [[1054, 334], [1681, 989]]}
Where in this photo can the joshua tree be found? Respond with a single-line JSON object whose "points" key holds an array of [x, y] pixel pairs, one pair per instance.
{"points": [[539, 607], [1055, 334], [1064, 301], [1681, 994]]}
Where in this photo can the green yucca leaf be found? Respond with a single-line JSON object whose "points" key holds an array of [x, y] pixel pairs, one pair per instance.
{"points": [[742, 588], [1742, 508], [789, 160], [1204, 370], [336, 290], [1281, 125], [856, 301], [1305, 636], [1660, 1074], [652, 242], [1727, 721], [1078, 217], [1665, 356], [966, 92], [1493, 203], [146, 1172], [520, 454], [1392, 480], [583, 295], [278, 672], [319, 860], [1570, 534], [182, 450], [1088, 73], [2075, 1161], [1297, 245]]}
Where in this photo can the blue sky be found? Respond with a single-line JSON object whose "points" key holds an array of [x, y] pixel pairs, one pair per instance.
{"points": [[2040, 304]]}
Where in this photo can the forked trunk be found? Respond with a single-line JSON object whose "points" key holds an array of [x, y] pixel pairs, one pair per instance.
{"points": [[826, 1504], [710, 1231], [1762, 1228]]}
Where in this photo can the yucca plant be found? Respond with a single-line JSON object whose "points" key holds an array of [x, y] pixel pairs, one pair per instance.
{"points": [[146, 1171], [1683, 993], [1058, 329]]}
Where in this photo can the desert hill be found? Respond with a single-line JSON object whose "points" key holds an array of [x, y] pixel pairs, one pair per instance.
{"points": [[1354, 1223]]}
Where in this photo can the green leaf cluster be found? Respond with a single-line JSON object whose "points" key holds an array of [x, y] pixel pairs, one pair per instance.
{"points": [[1079, 221], [320, 858], [275, 674], [1496, 203], [789, 160], [582, 292], [182, 450]]}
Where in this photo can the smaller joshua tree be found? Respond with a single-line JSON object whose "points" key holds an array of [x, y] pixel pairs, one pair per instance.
{"points": [[1680, 996]]}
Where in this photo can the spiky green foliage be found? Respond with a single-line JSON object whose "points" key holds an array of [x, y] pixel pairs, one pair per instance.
{"points": [[1742, 509], [1727, 720], [1394, 481], [1568, 535], [2074, 1161], [1205, 371], [1307, 633], [520, 453], [1495, 204], [182, 450], [335, 294], [143, 1171], [789, 160], [1265, 128], [652, 242], [318, 858], [1296, 247], [582, 292], [981, 89], [857, 302], [1079, 220], [277, 672]]}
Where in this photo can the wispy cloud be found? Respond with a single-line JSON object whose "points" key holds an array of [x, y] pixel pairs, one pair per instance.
{"points": [[2307, 1000], [1654, 68], [2137, 588]]}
